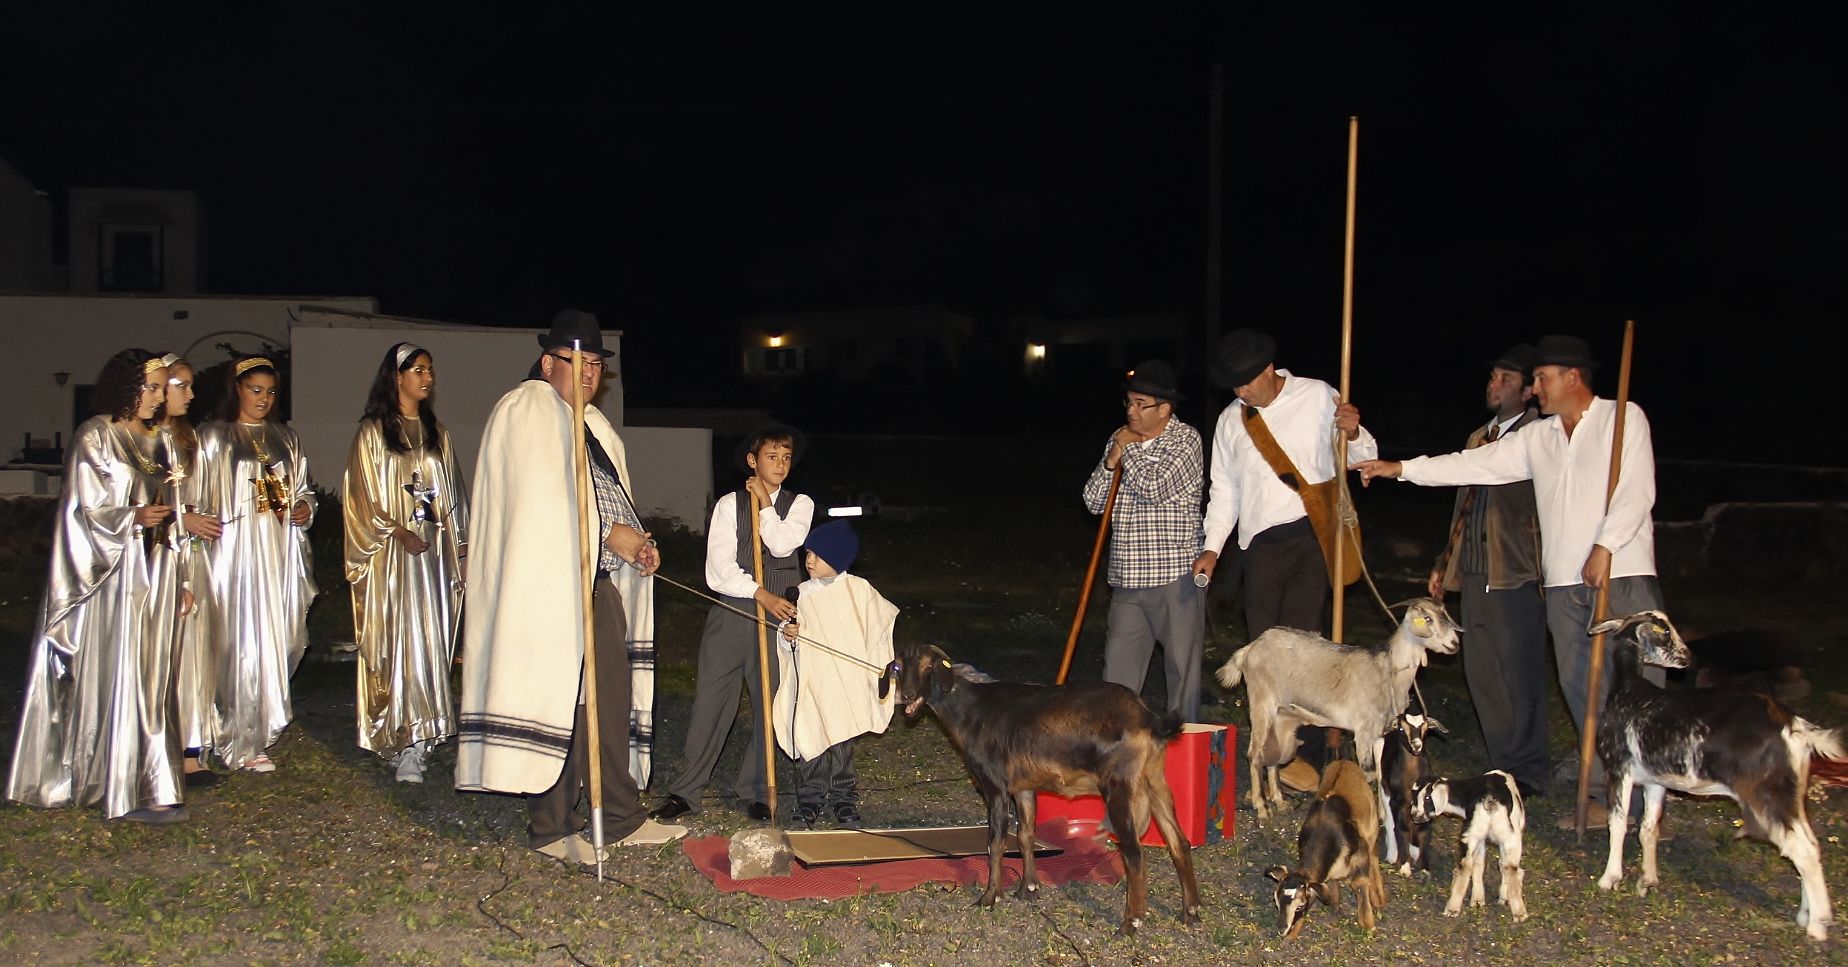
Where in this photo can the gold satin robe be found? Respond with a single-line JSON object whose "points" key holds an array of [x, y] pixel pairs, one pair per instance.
{"points": [[262, 580], [99, 724], [195, 671], [406, 607]]}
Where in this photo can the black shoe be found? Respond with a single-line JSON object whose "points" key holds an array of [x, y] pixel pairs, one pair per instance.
{"points": [[758, 810], [671, 807], [847, 814], [808, 814], [203, 779]]}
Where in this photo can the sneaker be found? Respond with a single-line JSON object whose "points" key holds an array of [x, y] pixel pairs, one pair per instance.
{"points": [[411, 765], [651, 833], [1299, 776], [261, 763]]}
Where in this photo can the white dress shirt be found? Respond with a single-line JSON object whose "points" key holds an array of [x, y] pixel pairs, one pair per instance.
{"points": [[1570, 475], [1246, 491], [782, 535]]}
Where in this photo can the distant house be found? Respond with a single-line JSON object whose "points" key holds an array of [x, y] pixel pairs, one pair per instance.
{"points": [[135, 240], [1077, 349], [854, 344]]}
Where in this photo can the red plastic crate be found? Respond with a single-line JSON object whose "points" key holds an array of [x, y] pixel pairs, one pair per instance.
{"points": [[1202, 772]]}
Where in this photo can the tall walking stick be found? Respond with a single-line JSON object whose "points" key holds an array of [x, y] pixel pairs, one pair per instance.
{"points": [[763, 663], [1090, 573], [1347, 356], [587, 576], [1595, 674]]}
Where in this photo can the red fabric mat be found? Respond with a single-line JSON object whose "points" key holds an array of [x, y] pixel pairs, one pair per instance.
{"points": [[1085, 860], [1830, 771]]}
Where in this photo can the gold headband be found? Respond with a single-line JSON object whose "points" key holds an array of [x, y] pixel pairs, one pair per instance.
{"points": [[250, 364], [158, 362]]}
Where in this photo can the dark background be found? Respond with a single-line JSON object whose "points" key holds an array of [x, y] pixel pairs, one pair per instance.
{"points": [[1524, 169]]}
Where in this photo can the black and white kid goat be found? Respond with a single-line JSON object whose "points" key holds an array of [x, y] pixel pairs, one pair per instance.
{"points": [[1337, 844], [1708, 742], [1403, 765], [1074, 740], [1492, 812]]}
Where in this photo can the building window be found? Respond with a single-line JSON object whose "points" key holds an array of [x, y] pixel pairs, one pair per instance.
{"points": [[785, 360], [131, 259]]}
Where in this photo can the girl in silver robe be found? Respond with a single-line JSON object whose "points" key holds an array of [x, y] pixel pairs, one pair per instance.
{"points": [[406, 536], [195, 675], [253, 476], [99, 724]]}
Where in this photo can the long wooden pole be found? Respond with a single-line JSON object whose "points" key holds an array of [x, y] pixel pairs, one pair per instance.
{"points": [[587, 573], [1090, 573], [1347, 357], [768, 722], [1594, 679]]}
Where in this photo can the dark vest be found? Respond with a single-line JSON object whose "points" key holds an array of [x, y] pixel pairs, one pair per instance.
{"points": [[780, 573]]}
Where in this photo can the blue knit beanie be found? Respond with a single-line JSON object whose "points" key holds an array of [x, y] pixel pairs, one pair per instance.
{"points": [[836, 543]]}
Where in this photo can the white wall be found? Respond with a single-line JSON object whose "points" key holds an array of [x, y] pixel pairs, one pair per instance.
{"points": [[336, 354], [45, 334]]}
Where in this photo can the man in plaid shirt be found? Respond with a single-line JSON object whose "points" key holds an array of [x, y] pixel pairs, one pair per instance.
{"points": [[1154, 537]]}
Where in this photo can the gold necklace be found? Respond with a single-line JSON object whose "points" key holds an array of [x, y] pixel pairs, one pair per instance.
{"points": [[148, 466], [263, 456]]}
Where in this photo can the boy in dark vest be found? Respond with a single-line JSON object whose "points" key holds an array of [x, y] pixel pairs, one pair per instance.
{"points": [[728, 647]]}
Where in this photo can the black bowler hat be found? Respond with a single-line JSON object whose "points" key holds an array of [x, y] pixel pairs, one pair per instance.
{"points": [[771, 431], [1559, 350], [1518, 358], [575, 324], [1157, 378], [1241, 356]]}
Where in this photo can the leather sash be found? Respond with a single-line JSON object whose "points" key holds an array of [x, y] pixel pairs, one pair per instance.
{"points": [[1319, 501]]}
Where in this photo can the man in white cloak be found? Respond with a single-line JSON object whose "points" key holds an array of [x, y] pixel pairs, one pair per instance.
{"points": [[522, 726]]}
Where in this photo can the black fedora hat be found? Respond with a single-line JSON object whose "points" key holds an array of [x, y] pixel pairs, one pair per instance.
{"points": [[1562, 350], [575, 325], [1241, 356], [1518, 358], [798, 443], [1157, 378]]}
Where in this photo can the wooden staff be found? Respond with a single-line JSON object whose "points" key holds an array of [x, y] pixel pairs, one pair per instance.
{"points": [[1588, 738], [763, 662], [1090, 573], [1347, 357], [580, 462]]}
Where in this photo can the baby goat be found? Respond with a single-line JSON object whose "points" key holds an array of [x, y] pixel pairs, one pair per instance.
{"points": [[1074, 740], [1707, 743], [1295, 678], [1491, 809], [1403, 765], [1337, 844]]}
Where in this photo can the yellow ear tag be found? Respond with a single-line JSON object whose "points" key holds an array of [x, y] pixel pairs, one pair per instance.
{"points": [[946, 664]]}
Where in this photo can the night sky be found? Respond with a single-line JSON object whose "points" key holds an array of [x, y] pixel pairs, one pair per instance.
{"points": [[672, 171]]}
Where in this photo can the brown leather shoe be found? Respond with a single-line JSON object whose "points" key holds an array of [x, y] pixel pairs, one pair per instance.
{"points": [[1596, 817]]}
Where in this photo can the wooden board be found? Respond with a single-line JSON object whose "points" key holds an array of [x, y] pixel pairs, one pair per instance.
{"points": [[839, 846]]}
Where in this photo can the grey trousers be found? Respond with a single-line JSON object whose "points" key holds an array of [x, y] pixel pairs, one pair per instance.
{"points": [[1504, 660], [727, 653], [829, 776], [549, 814], [1568, 612], [1175, 615]]}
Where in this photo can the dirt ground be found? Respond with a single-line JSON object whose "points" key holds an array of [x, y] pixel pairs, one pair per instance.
{"points": [[329, 861]]}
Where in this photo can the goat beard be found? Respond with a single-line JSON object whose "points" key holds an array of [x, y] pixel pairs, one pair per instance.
{"points": [[911, 707]]}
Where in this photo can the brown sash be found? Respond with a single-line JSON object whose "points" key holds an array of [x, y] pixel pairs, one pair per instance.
{"points": [[1318, 500]]}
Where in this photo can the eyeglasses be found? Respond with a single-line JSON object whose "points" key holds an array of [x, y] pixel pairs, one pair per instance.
{"points": [[592, 364], [1130, 404]]}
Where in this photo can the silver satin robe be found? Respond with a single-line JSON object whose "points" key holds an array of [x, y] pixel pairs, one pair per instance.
{"points": [[195, 671], [99, 724], [262, 581], [406, 607]]}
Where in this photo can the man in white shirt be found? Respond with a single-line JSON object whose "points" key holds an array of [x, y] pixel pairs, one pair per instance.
{"points": [[728, 646], [1286, 576], [1584, 544]]}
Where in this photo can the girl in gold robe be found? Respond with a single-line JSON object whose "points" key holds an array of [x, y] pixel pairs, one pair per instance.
{"points": [[253, 476], [406, 536], [99, 724]]}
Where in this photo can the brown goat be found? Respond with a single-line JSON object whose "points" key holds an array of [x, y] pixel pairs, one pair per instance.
{"points": [[1077, 739]]}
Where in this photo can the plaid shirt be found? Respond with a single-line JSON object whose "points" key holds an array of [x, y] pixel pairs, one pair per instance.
{"points": [[1155, 532], [613, 508]]}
